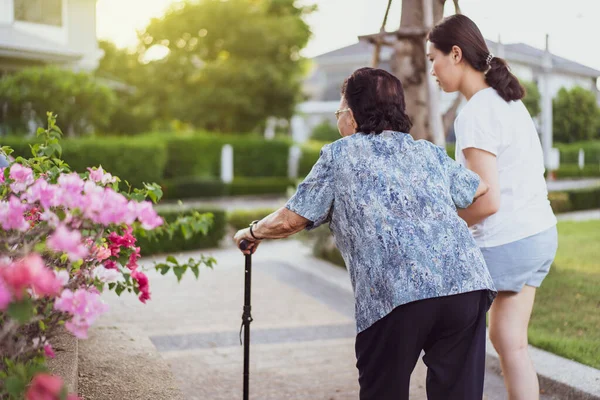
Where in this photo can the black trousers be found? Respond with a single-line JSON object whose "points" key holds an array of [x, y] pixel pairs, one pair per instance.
{"points": [[451, 330]]}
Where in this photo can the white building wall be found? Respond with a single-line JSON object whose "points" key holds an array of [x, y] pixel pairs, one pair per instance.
{"points": [[56, 34], [6, 11], [82, 32]]}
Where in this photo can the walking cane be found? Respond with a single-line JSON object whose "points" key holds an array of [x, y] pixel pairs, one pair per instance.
{"points": [[246, 318]]}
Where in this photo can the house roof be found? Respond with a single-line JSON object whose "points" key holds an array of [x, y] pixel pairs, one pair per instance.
{"points": [[518, 52], [17, 44]]}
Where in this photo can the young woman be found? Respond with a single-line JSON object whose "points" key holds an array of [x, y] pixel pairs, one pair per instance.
{"points": [[513, 223]]}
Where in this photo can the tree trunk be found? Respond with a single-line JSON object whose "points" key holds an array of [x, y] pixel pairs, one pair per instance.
{"points": [[408, 64], [450, 115]]}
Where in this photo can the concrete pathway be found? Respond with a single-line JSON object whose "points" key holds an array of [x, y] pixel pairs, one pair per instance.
{"points": [[585, 215], [572, 184], [302, 334]]}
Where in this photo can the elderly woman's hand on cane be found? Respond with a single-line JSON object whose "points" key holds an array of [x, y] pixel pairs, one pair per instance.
{"points": [[251, 242], [278, 225]]}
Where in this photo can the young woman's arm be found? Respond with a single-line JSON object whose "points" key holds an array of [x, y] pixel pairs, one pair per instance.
{"points": [[483, 164]]}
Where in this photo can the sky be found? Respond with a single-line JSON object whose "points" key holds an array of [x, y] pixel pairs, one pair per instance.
{"points": [[573, 26]]}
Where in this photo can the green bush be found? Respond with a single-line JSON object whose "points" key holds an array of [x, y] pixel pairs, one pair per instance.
{"points": [[178, 243], [559, 201], [576, 115], [532, 98], [573, 171], [451, 151], [569, 153], [197, 187], [192, 188], [200, 155], [240, 219], [575, 200], [79, 100], [326, 132], [585, 199], [257, 186], [310, 155], [136, 160]]}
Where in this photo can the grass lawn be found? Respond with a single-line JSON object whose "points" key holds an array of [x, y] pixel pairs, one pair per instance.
{"points": [[566, 316]]}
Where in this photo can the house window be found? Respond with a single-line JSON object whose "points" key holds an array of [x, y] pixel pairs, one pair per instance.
{"points": [[47, 12]]}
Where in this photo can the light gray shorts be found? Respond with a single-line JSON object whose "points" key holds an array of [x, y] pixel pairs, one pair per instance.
{"points": [[524, 262]]}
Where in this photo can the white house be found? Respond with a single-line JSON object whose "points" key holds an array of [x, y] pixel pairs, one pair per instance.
{"points": [[39, 32], [322, 87]]}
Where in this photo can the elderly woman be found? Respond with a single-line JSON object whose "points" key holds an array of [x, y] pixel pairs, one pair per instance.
{"points": [[420, 282]]}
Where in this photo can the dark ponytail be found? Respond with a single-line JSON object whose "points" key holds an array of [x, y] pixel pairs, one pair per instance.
{"points": [[500, 78], [459, 30]]}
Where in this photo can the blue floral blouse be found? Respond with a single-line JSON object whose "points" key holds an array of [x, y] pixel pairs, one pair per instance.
{"points": [[391, 203]]}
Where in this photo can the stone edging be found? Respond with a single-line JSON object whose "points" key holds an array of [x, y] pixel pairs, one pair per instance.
{"points": [[65, 364], [567, 379]]}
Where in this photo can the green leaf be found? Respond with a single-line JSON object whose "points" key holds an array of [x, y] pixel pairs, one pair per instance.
{"points": [[111, 286], [15, 386], [186, 233], [21, 311], [172, 259], [178, 271], [120, 288], [164, 270], [42, 325], [195, 270]]}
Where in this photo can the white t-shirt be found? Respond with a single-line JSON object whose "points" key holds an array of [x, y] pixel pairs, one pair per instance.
{"points": [[506, 130]]}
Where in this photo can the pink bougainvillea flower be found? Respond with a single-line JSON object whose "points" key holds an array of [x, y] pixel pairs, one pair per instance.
{"points": [[133, 258], [85, 307], [143, 285], [30, 272], [22, 177], [49, 351], [107, 275], [70, 190], [12, 214], [44, 192], [110, 264], [63, 240], [2, 179], [148, 216], [62, 276], [98, 175], [44, 387], [5, 295], [101, 253]]}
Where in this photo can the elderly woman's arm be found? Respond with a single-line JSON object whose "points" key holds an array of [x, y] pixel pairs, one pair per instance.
{"points": [[280, 224]]}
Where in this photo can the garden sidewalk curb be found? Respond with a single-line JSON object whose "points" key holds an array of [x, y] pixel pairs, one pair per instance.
{"points": [[559, 376], [66, 362]]}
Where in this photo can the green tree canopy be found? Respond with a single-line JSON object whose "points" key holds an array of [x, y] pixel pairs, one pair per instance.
{"points": [[78, 99], [230, 65], [532, 98], [576, 115]]}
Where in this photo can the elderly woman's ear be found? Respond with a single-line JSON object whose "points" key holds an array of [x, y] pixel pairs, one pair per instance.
{"points": [[353, 122]]}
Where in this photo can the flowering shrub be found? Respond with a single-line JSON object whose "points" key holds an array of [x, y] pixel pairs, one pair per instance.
{"points": [[67, 237]]}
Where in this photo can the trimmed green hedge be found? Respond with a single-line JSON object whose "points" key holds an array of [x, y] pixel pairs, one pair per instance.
{"points": [[136, 160], [240, 219], [258, 186], [195, 187], [307, 160], [575, 200], [178, 243], [573, 171], [569, 153], [201, 156]]}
